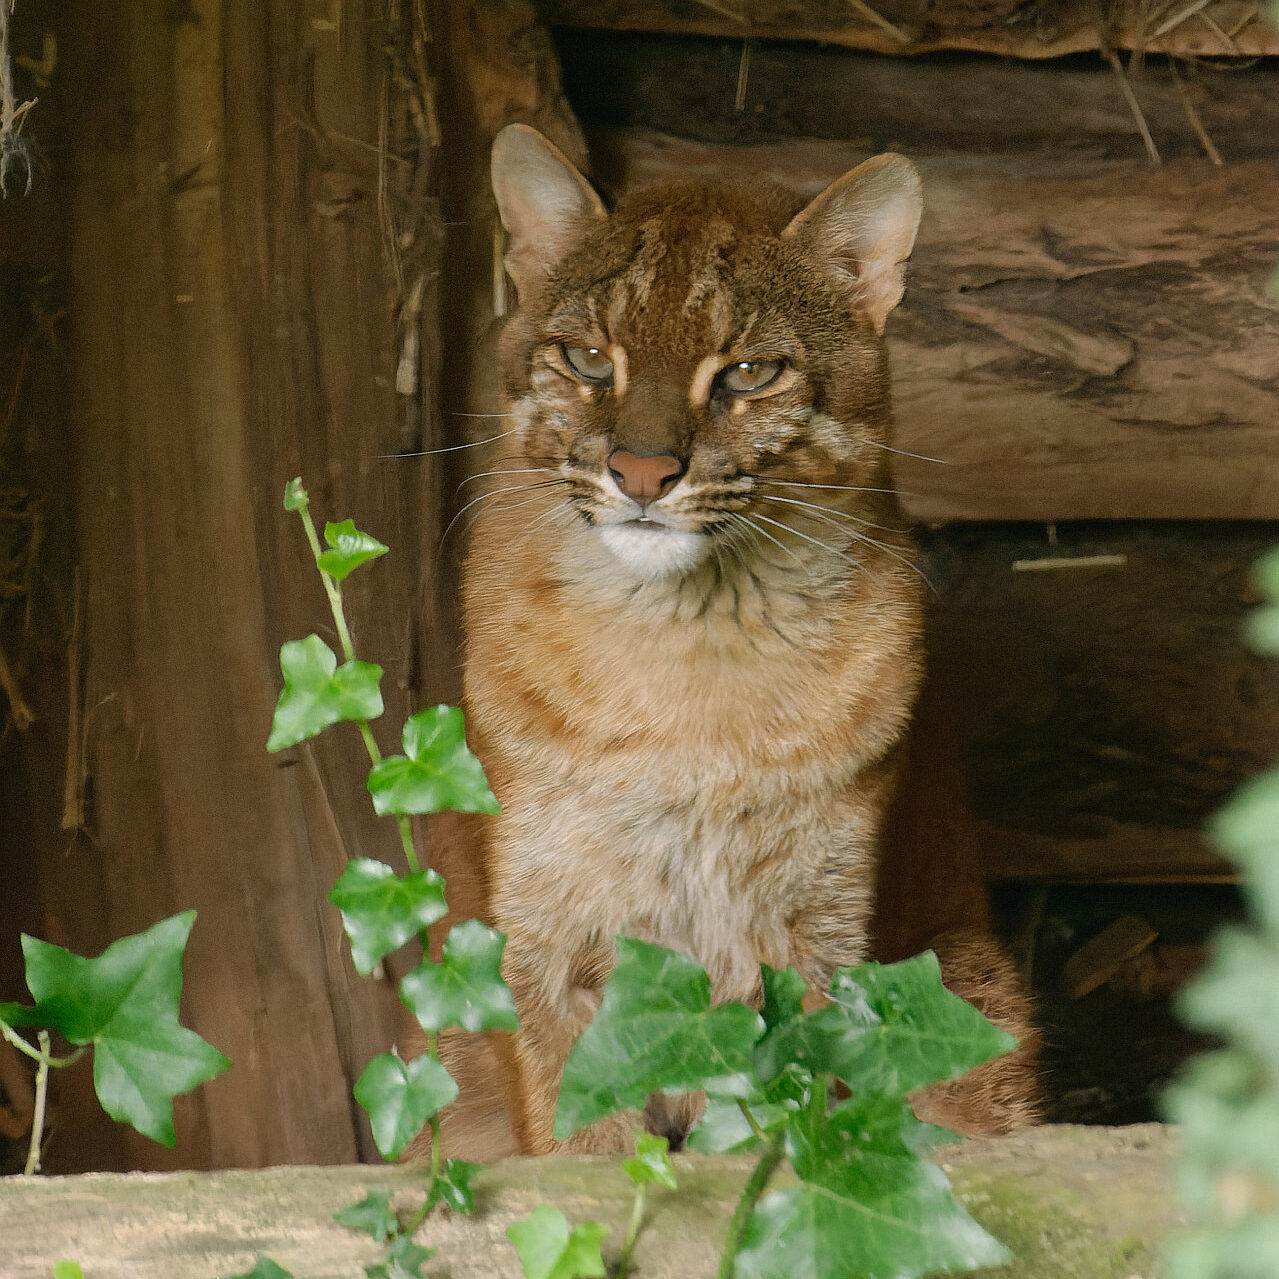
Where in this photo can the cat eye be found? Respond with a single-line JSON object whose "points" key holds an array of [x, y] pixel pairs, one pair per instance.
{"points": [[748, 376], [588, 362]]}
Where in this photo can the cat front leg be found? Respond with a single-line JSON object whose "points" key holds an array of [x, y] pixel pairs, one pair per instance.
{"points": [[556, 1000]]}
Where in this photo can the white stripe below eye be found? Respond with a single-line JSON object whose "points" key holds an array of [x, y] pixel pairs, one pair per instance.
{"points": [[699, 392]]}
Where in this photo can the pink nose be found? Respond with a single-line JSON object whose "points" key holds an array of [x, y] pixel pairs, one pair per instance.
{"points": [[644, 478]]}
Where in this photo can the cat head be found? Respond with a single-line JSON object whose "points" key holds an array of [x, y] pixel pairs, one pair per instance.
{"points": [[703, 363]]}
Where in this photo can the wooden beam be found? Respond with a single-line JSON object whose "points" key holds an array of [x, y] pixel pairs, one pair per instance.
{"points": [[1234, 28]]}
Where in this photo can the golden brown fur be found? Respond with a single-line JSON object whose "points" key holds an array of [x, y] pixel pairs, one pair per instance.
{"points": [[694, 721]]}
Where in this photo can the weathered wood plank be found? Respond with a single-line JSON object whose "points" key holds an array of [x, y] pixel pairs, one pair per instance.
{"points": [[1068, 1201], [1080, 339], [1103, 711], [1041, 30]]}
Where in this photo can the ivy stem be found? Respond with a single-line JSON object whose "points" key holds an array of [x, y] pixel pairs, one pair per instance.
{"points": [[750, 1119], [333, 590], [632, 1232], [437, 1153], [42, 1101], [44, 1061], [751, 1192]]}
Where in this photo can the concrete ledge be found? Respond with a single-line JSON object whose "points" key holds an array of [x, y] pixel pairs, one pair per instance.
{"points": [[1071, 1202]]}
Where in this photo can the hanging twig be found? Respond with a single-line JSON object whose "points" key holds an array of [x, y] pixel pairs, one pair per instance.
{"points": [[1133, 105], [743, 75], [1192, 115], [871, 15]]}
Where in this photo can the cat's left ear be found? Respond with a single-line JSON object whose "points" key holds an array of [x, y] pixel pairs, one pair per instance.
{"points": [[862, 229], [545, 204]]}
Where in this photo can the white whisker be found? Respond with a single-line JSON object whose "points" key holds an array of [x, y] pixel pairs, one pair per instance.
{"points": [[453, 448], [923, 457], [750, 523], [511, 488]]}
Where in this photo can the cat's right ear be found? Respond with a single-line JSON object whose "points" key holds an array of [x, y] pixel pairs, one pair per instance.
{"points": [[545, 204]]}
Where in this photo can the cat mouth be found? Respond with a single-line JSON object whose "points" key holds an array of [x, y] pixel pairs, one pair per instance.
{"points": [[651, 548]]}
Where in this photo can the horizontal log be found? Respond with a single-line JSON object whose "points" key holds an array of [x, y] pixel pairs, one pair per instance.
{"points": [[1081, 338], [1219, 28], [1067, 1201], [696, 88]]}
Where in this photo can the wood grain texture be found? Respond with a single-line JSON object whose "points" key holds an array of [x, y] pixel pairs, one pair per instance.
{"points": [[1044, 29], [1080, 338]]}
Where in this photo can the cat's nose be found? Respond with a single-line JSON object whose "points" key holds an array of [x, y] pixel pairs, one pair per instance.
{"points": [[644, 478]]}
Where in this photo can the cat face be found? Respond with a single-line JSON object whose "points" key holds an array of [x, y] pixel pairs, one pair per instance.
{"points": [[697, 371]]}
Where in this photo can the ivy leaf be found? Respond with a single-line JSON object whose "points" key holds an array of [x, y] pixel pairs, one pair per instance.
{"points": [[465, 988], [1236, 994], [400, 1096], [436, 771], [295, 497], [348, 549], [869, 1206], [382, 910], [723, 1127], [317, 692], [549, 1250], [891, 1028], [1246, 829], [404, 1260], [784, 991], [655, 1032], [453, 1185], [373, 1215], [264, 1268], [1261, 631], [67, 1270], [650, 1164], [1266, 570], [1244, 1249], [125, 1003]]}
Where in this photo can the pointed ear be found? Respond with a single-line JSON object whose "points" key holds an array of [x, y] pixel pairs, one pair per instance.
{"points": [[545, 204], [861, 230]]}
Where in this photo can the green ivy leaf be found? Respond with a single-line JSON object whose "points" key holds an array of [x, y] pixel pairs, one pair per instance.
{"points": [[437, 770], [868, 1207], [404, 1260], [723, 1127], [1262, 630], [373, 1215], [295, 498], [1244, 1249], [1237, 994], [549, 1250], [382, 910], [348, 549], [891, 1028], [317, 692], [1247, 829], [264, 1268], [650, 1164], [1266, 570], [465, 988], [67, 1270], [125, 1003], [400, 1096], [453, 1185], [655, 1032], [784, 991]]}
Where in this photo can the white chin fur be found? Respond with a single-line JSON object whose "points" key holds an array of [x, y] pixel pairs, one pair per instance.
{"points": [[652, 550]]}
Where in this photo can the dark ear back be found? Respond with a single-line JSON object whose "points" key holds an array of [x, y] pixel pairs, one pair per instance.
{"points": [[545, 204], [862, 229]]}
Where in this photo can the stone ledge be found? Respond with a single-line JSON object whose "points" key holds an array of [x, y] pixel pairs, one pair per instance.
{"points": [[1071, 1202]]}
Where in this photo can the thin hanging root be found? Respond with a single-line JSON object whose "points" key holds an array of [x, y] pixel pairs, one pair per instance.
{"points": [[743, 76], [21, 713], [723, 10], [860, 6], [1178, 18], [1133, 105], [1210, 149]]}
